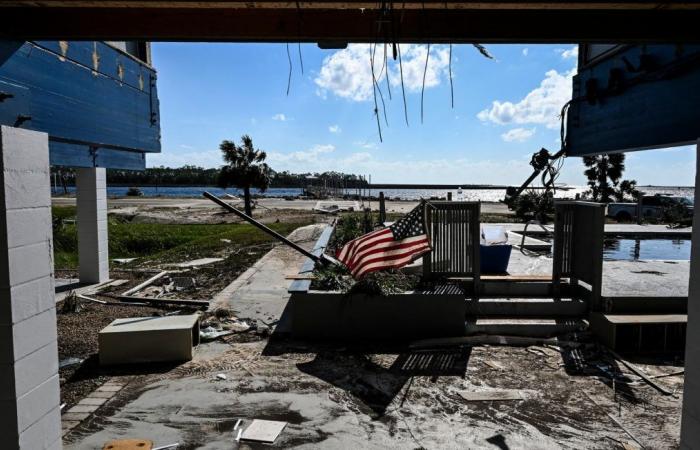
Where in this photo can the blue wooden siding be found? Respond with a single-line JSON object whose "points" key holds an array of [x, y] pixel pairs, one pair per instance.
{"points": [[640, 97], [98, 104]]}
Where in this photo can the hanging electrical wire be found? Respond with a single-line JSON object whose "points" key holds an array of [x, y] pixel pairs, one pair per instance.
{"points": [[301, 60], [422, 90], [376, 83], [289, 78], [374, 94], [452, 89], [403, 89], [386, 64]]}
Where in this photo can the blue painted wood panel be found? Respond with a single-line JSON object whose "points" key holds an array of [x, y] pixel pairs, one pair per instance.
{"points": [[640, 97], [88, 96]]}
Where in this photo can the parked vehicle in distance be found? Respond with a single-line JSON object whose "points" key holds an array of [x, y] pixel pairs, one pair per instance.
{"points": [[652, 207]]}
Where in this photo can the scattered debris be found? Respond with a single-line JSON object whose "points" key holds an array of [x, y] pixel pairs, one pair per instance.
{"points": [[225, 241], [90, 299], [129, 444], [641, 374], [619, 424], [166, 447], [220, 376], [210, 334], [203, 304], [199, 262], [263, 431], [69, 362], [672, 374], [148, 282], [123, 260], [149, 339], [487, 396], [494, 365], [182, 283]]}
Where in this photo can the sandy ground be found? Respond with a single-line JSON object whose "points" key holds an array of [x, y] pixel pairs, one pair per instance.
{"points": [[196, 210], [343, 396]]}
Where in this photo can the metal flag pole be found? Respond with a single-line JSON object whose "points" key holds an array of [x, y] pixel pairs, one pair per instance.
{"points": [[323, 259]]}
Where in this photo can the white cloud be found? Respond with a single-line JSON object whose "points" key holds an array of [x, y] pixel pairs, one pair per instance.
{"points": [[280, 117], [518, 134], [206, 159], [366, 144], [526, 51], [542, 105], [413, 62], [334, 129], [304, 156], [569, 53], [347, 73]]}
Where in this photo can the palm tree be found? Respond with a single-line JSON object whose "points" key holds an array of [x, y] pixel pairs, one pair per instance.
{"points": [[245, 168], [604, 173]]}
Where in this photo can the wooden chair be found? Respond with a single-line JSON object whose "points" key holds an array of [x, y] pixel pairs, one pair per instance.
{"points": [[454, 233], [579, 231]]}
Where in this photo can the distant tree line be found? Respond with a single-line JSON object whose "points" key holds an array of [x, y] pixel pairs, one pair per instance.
{"points": [[199, 176]]}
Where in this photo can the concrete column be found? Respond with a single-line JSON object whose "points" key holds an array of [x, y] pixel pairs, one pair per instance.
{"points": [[690, 424], [30, 416], [93, 257]]}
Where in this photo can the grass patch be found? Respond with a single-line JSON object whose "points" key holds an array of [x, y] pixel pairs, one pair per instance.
{"points": [[153, 242]]}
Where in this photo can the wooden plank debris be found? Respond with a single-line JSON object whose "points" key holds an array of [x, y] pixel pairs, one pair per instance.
{"points": [[263, 431], [641, 374], [165, 301], [148, 282], [490, 396], [299, 277], [672, 374]]}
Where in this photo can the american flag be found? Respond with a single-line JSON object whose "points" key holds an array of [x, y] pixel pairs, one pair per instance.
{"points": [[391, 247]]}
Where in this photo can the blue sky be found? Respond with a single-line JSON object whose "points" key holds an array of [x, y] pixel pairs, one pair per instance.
{"points": [[505, 110]]}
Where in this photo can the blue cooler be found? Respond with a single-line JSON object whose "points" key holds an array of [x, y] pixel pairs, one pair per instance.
{"points": [[494, 258], [495, 249]]}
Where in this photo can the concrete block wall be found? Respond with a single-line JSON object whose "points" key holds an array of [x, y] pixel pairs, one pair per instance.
{"points": [[29, 388], [93, 255]]}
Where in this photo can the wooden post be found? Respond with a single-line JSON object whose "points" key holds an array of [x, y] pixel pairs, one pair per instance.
{"points": [[382, 208], [690, 422], [639, 209]]}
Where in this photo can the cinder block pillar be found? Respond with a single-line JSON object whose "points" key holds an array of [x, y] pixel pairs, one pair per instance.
{"points": [[690, 424], [93, 257], [30, 416]]}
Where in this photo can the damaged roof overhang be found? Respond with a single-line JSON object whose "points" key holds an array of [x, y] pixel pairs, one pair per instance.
{"points": [[348, 21]]}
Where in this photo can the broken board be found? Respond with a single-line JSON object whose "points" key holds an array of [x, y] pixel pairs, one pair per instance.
{"points": [[263, 431], [128, 444], [488, 396]]}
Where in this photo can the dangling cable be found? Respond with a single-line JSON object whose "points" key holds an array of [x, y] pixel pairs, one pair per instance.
{"points": [[386, 64], [403, 89], [376, 84], [289, 78], [301, 60], [422, 90], [374, 93], [452, 89]]}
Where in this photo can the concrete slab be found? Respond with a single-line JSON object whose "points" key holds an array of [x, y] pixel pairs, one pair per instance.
{"points": [[641, 278], [261, 292]]}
